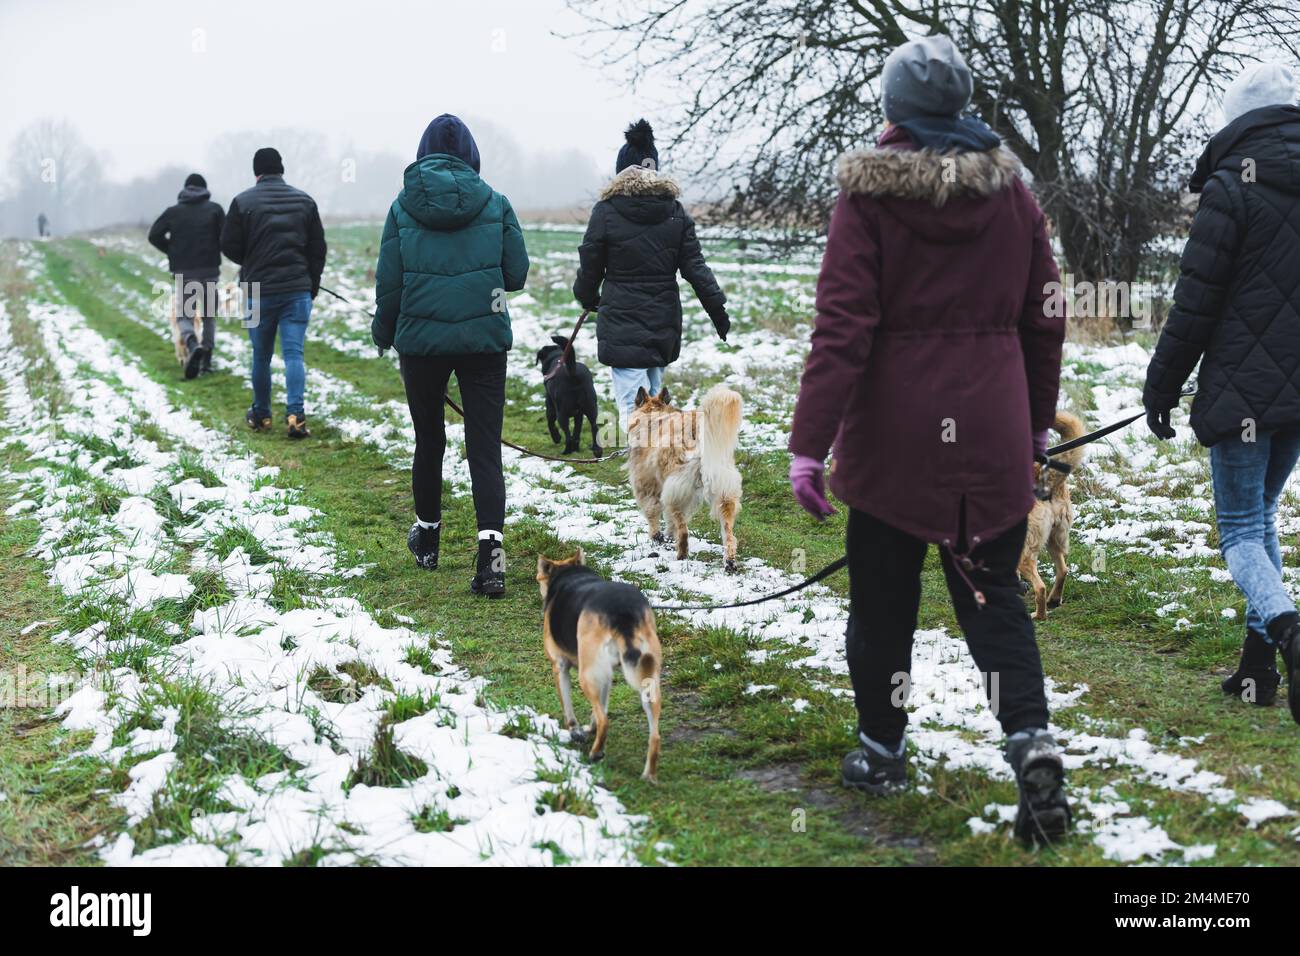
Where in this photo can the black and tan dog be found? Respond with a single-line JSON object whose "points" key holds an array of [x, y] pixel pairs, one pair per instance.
{"points": [[570, 395], [599, 625]]}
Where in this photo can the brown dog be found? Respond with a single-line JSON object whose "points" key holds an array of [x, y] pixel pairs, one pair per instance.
{"points": [[1049, 522], [678, 460], [597, 625]]}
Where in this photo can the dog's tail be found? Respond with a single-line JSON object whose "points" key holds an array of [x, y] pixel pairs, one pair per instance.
{"points": [[1069, 426], [570, 355], [720, 417]]}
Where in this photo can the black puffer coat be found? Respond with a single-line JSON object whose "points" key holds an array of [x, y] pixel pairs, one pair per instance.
{"points": [[190, 234], [1237, 302], [638, 237], [274, 232]]}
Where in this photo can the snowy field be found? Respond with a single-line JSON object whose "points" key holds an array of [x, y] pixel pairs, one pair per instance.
{"points": [[241, 726]]}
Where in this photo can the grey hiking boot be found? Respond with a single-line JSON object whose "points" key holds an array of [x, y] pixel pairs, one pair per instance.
{"points": [[1044, 814], [872, 769]]}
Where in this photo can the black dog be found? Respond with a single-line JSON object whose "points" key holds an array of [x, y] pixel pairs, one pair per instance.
{"points": [[570, 396]]}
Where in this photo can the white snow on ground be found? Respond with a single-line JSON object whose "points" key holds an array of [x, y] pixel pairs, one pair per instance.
{"points": [[257, 661], [951, 723]]}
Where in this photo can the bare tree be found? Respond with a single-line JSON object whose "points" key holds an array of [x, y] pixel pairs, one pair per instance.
{"points": [[52, 171], [1104, 102]]}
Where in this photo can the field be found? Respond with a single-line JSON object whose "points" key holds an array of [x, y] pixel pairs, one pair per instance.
{"points": [[258, 674]]}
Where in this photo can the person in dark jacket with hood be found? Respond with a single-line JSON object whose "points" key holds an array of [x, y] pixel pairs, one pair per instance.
{"points": [[638, 238], [189, 233], [275, 234], [451, 249], [934, 370], [1237, 311]]}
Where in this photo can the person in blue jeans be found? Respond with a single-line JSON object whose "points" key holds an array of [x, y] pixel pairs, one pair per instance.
{"points": [[288, 314], [274, 232], [1237, 311]]}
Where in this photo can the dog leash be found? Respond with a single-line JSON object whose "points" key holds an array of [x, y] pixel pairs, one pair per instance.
{"points": [[509, 444], [805, 583], [537, 454], [839, 563], [568, 347]]}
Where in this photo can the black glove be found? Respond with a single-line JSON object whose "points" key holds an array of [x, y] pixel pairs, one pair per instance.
{"points": [[1158, 422], [722, 322]]}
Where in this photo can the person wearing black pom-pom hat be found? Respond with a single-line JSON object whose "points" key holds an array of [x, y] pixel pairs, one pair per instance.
{"points": [[638, 238]]}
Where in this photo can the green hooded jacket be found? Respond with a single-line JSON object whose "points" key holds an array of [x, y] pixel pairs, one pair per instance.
{"points": [[451, 249]]}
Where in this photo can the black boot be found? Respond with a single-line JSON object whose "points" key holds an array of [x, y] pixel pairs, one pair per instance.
{"points": [[1256, 679], [195, 361], [490, 580], [205, 366], [869, 770], [1044, 815], [1285, 632], [423, 543]]}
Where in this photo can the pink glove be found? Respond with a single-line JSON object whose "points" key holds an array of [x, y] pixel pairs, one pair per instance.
{"points": [[809, 490], [1040, 443]]}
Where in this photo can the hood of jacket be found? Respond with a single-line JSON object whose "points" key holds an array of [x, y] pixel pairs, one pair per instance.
{"points": [[441, 191], [191, 194], [936, 195], [642, 195], [1269, 137]]}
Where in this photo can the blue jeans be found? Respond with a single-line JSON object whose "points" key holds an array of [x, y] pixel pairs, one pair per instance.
{"points": [[287, 312], [1248, 480], [628, 380]]}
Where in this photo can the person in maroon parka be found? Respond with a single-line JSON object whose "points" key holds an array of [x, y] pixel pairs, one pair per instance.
{"points": [[934, 370]]}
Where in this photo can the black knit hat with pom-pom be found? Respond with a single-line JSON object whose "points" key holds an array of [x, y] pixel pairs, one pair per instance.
{"points": [[639, 148]]}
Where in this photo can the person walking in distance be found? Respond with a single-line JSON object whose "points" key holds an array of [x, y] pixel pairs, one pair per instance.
{"points": [[189, 234], [274, 232]]}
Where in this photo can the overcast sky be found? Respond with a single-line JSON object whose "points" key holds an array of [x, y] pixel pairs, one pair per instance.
{"points": [[152, 82]]}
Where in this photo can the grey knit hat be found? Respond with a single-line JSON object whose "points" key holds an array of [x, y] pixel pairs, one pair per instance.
{"points": [[1259, 85], [925, 78]]}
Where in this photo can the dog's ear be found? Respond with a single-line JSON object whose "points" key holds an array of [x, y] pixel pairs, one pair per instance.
{"points": [[541, 354], [641, 396], [544, 566], [560, 340], [579, 557], [665, 397]]}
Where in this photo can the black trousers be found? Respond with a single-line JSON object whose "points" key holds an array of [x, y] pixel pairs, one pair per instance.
{"points": [[482, 381], [885, 597]]}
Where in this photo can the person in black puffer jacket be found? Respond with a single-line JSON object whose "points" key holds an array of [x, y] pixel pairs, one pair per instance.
{"points": [[274, 232], [638, 238], [1237, 310], [189, 233]]}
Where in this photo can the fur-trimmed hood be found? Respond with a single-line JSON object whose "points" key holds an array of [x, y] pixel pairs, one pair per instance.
{"points": [[639, 181], [925, 174]]}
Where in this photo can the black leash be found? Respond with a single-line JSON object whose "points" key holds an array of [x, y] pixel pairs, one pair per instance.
{"points": [[806, 582], [509, 444], [841, 562], [345, 299]]}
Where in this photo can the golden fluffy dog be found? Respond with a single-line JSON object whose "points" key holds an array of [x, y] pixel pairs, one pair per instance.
{"points": [[598, 625], [679, 460], [1049, 522]]}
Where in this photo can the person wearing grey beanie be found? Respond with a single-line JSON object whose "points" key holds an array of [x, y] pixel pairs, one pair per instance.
{"points": [[925, 86]]}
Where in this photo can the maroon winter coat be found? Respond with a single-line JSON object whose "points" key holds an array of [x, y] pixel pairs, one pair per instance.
{"points": [[934, 357]]}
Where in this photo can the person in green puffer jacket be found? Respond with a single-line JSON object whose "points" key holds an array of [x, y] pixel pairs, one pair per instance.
{"points": [[451, 249]]}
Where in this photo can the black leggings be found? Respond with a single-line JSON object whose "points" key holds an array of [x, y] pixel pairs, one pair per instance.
{"points": [[482, 381], [885, 597]]}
